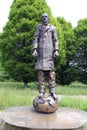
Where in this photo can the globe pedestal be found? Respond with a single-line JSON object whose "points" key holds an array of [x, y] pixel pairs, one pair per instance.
{"points": [[47, 104], [26, 118]]}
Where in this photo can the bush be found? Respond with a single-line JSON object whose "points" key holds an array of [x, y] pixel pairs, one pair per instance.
{"points": [[33, 85], [78, 84]]}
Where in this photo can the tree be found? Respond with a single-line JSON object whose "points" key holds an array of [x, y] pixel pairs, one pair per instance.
{"points": [[17, 36], [65, 72], [80, 59], [3, 75]]}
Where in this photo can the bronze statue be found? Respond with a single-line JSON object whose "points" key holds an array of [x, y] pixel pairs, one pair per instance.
{"points": [[45, 48]]}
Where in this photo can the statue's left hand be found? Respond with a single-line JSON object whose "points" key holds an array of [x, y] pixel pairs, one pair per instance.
{"points": [[34, 53], [56, 54]]}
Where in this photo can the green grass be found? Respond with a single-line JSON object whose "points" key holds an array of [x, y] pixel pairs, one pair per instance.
{"points": [[77, 103], [16, 97], [66, 90], [13, 94], [75, 88]]}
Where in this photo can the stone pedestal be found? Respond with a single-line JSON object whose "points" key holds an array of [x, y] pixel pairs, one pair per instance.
{"points": [[26, 118]]}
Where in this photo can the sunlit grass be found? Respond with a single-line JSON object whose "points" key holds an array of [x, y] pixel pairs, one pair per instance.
{"points": [[74, 102], [13, 94], [66, 90], [16, 97]]}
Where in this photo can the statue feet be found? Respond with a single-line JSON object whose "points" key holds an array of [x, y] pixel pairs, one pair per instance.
{"points": [[54, 96], [41, 95]]}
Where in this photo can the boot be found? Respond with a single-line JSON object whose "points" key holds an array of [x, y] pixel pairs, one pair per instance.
{"points": [[41, 95], [54, 96]]}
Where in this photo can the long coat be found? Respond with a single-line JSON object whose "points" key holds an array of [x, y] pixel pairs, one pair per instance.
{"points": [[46, 43]]}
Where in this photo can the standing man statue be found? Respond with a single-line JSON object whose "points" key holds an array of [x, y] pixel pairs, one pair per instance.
{"points": [[45, 48]]}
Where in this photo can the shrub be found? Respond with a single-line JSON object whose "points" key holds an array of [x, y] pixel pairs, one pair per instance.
{"points": [[77, 84]]}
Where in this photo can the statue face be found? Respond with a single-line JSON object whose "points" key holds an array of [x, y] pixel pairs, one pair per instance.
{"points": [[45, 19]]}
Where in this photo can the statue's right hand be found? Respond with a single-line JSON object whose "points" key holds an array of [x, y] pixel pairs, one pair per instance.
{"points": [[34, 53]]}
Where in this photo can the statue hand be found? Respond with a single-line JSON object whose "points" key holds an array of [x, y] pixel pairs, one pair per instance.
{"points": [[56, 54], [34, 53]]}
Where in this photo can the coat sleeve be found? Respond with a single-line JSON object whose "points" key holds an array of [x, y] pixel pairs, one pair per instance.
{"points": [[55, 39], [36, 38]]}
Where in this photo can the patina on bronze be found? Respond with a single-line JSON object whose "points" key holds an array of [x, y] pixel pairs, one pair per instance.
{"points": [[47, 104], [45, 48]]}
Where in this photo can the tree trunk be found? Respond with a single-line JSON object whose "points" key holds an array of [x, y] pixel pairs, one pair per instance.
{"points": [[25, 84]]}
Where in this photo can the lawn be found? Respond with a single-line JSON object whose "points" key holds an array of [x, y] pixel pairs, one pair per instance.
{"points": [[13, 94]]}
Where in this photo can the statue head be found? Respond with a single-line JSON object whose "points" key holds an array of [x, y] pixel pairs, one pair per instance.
{"points": [[44, 18]]}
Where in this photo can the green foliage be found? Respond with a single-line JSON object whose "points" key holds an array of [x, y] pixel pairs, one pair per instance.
{"points": [[16, 44], [80, 59], [78, 85], [33, 85], [16, 39], [65, 72], [3, 75]]}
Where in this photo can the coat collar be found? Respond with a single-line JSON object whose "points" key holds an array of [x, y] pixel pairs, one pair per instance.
{"points": [[47, 28]]}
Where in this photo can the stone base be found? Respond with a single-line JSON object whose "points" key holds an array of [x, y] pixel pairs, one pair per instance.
{"points": [[47, 104], [26, 118]]}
